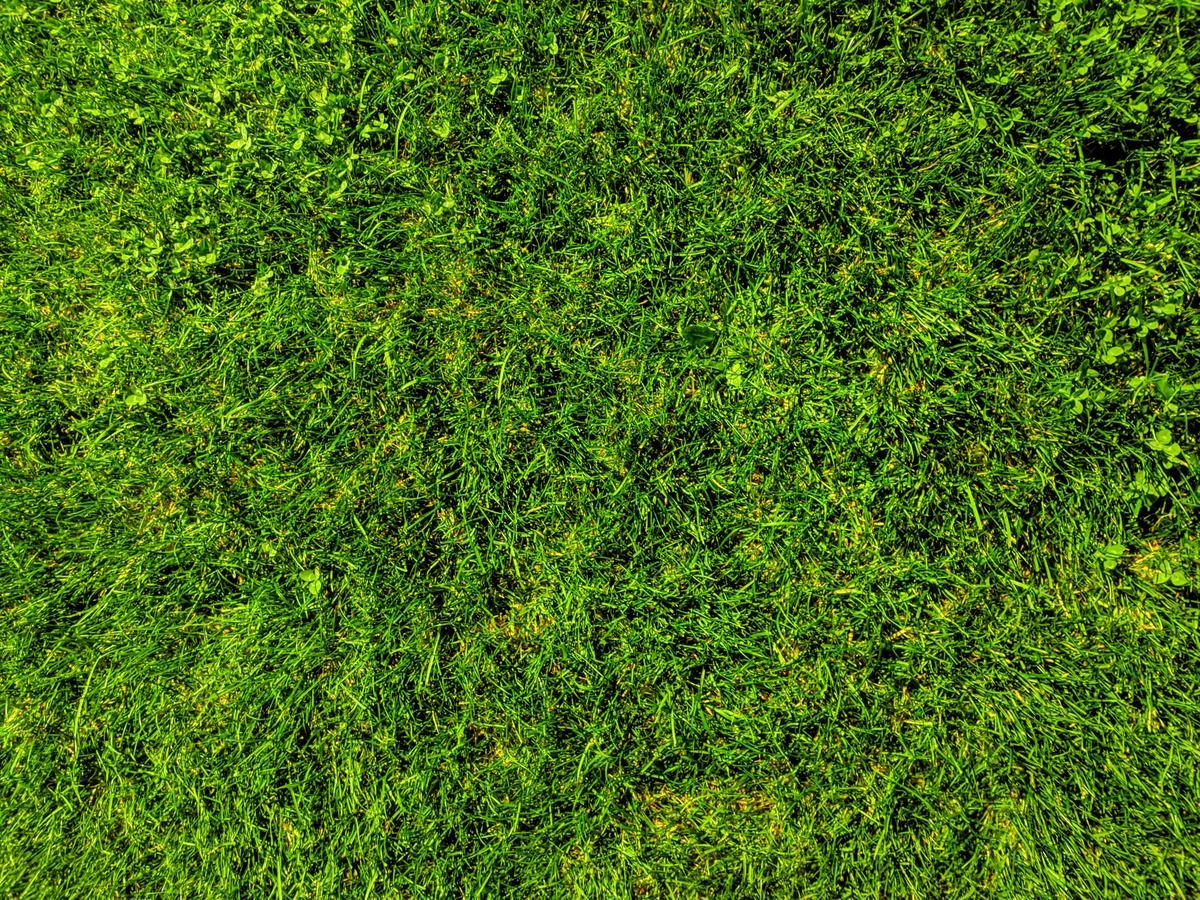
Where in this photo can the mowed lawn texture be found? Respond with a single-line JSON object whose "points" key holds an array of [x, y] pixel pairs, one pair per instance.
{"points": [[662, 449]]}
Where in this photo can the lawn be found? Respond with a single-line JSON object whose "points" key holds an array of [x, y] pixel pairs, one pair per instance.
{"points": [[658, 449]]}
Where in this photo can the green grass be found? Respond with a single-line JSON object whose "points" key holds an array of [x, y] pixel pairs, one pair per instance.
{"points": [[599, 450]]}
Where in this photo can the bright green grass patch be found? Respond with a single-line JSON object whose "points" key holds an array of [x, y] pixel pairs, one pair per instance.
{"points": [[677, 449]]}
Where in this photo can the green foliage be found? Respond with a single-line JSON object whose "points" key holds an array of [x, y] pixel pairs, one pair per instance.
{"points": [[697, 449]]}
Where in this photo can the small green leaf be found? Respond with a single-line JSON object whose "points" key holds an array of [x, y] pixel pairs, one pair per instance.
{"points": [[733, 375], [312, 580], [1161, 439], [699, 337], [261, 281], [1112, 554], [136, 397], [242, 142]]}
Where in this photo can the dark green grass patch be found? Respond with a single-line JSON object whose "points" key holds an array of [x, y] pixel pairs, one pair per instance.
{"points": [[671, 449]]}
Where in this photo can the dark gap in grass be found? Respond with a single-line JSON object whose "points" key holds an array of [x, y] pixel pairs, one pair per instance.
{"points": [[59, 435], [1113, 153], [1152, 512]]}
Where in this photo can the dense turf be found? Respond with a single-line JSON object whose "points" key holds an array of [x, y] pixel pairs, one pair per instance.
{"points": [[701, 448]]}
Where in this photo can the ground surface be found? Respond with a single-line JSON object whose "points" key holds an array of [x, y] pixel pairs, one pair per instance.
{"points": [[720, 449]]}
